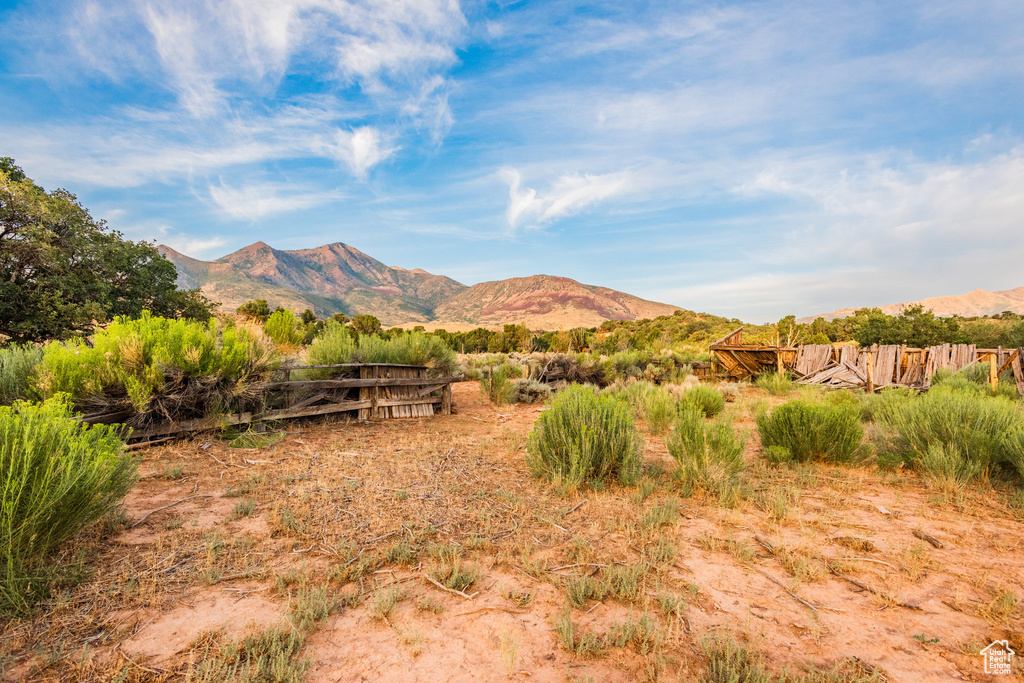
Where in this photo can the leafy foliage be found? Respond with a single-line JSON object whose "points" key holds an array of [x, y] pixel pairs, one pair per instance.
{"points": [[585, 437], [775, 383], [814, 430], [954, 433], [709, 455], [705, 398], [336, 346], [133, 358], [17, 363], [56, 477], [61, 270]]}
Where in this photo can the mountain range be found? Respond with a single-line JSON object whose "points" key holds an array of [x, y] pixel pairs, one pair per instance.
{"points": [[337, 278], [976, 303]]}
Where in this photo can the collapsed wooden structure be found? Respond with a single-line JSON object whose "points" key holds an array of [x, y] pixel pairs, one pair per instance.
{"points": [[367, 391], [849, 366]]}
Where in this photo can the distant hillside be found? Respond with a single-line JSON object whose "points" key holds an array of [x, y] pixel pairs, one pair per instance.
{"points": [[339, 278], [976, 303]]}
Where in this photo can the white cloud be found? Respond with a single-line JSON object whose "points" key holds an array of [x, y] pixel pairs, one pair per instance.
{"points": [[567, 195], [195, 247], [361, 149], [205, 50], [255, 201]]}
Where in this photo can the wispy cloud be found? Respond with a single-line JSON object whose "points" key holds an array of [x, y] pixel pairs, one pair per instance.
{"points": [[565, 196], [254, 201], [360, 149]]}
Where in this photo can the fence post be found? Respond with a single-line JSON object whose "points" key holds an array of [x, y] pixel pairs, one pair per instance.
{"points": [[869, 370], [993, 373]]}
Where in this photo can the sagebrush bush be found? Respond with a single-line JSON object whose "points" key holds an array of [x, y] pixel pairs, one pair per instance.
{"points": [[133, 357], [653, 404], [879, 403], [283, 327], [585, 437], [56, 477], [977, 432], [775, 383], [496, 384], [336, 346], [820, 431], [708, 455], [17, 362], [525, 390], [705, 398], [974, 377]]}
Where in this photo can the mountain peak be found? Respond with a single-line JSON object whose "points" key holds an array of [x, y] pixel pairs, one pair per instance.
{"points": [[337, 277]]}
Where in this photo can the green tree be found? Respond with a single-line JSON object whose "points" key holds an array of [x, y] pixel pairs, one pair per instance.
{"points": [[62, 271], [366, 324], [258, 310]]}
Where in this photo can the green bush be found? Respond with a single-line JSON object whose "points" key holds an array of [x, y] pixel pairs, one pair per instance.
{"points": [[875, 405], [283, 327], [976, 433], [585, 437], [16, 365], [57, 476], [496, 384], [653, 404], [974, 377], [705, 398], [709, 455], [335, 346], [133, 358], [820, 431], [775, 383]]}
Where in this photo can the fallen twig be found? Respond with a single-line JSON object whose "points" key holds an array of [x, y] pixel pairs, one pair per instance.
{"points": [[869, 589], [450, 590], [143, 519], [575, 507], [783, 587], [925, 537]]}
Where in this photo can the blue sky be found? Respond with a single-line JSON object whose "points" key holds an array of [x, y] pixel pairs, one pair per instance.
{"points": [[751, 159]]}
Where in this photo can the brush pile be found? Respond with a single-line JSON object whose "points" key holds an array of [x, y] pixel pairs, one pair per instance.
{"points": [[152, 369]]}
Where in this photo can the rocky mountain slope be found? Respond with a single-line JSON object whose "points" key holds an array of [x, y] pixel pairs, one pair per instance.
{"points": [[339, 278]]}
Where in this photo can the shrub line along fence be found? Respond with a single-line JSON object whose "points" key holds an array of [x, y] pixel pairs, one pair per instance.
{"points": [[849, 366], [381, 391]]}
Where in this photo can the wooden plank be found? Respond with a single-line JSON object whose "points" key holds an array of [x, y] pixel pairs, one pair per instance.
{"points": [[204, 424], [357, 383]]}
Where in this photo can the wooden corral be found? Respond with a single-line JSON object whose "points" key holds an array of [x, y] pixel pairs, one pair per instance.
{"points": [[369, 391], [849, 366]]}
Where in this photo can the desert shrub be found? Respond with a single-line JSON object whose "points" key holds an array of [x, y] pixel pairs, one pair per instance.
{"points": [[730, 392], [977, 433], [336, 346], [134, 358], [529, 391], [496, 384], [873, 406], [820, 431], [775, 383], [709, 455], [974, 377], [585, 437], [283, 327], [56, 477], [705, 398], [653, 404], [16, 365]]}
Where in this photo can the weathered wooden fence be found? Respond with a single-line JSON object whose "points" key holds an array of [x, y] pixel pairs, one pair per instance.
{"points": [[849, 366], [369, 391]]}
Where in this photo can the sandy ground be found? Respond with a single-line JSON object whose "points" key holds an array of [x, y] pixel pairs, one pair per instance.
{"points": [[382, 497]]}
